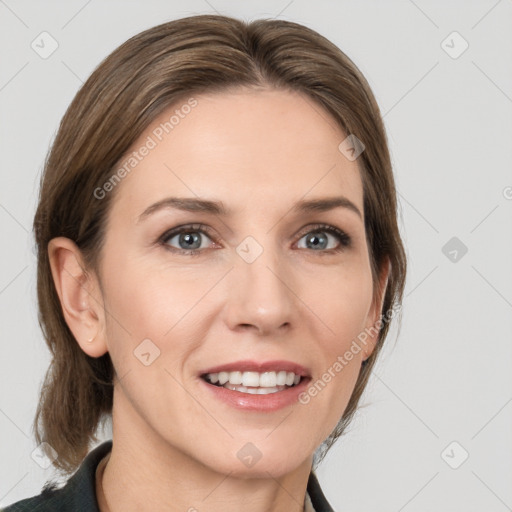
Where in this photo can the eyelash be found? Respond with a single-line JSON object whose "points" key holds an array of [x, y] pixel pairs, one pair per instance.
{"points": [[344, 239]]}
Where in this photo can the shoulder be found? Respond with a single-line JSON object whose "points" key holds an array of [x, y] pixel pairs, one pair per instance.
{"points": [[79, 492], [49, 499], [40, 502]]}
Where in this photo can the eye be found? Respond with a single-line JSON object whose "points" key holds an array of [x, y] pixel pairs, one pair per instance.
{"points": [[325, 238], [194, 239], [190, 239]]}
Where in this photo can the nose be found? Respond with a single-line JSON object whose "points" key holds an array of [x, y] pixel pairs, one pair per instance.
{"points": [[261, 296]]}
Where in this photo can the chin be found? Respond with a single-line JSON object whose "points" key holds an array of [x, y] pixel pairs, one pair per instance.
{"points": [[276, 466]]}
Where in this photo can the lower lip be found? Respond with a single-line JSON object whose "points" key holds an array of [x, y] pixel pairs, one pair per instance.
{"points": [[262, 403]]}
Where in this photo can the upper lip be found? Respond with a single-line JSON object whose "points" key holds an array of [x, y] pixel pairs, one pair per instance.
{"points": [[259, 366]]}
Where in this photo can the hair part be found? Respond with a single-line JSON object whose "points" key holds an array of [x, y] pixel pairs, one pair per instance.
{"points": [[147, 74]]}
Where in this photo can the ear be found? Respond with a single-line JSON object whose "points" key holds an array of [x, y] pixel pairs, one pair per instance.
{"points": [[79, 294], [374, 320]]}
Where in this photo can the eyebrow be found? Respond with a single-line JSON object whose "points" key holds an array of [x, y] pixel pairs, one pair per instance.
{"points": [[192, 204]]}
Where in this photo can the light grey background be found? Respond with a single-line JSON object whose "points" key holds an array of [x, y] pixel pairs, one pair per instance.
{"points": [[449, 120]]}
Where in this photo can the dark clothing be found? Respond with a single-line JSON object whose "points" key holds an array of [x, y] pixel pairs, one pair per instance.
{"points": [[79, 492]]}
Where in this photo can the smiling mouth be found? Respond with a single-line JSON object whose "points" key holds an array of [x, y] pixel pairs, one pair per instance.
{"points": [[254, 383]]}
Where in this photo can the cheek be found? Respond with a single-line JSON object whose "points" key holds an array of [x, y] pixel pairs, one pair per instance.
{"points": [[135, 309], [345, 302], [344, 307], [147, 299], [149, 302]]}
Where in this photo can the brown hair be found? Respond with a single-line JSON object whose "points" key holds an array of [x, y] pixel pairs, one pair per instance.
{"points": [[128, 90]]}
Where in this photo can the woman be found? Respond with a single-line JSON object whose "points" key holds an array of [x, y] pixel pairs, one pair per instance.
{"points": [[218, 264]]}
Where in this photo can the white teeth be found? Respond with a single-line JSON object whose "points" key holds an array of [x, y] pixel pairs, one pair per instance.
{"points": [[266, 391], [281, 378], [251, 379], [243, 389], [268, 379], [235, 378], [254, 391], [262, 383]]}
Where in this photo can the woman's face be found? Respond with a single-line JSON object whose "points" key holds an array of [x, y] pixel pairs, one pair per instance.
{"points": [[261, 286]]}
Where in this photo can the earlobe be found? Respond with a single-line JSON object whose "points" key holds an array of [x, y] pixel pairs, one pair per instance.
{"points": [[79, 295]]}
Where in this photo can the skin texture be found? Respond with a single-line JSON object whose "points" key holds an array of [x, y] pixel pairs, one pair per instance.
{"points": [[175, 447]]}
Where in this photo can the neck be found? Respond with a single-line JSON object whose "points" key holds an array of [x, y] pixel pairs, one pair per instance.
{"points": [[145, 473]]}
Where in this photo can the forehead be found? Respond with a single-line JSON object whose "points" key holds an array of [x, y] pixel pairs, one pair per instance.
{"points": [[247, 148]]}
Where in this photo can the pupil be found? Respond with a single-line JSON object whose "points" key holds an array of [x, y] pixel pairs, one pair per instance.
{"points": [[190, 239], [317, 240]]}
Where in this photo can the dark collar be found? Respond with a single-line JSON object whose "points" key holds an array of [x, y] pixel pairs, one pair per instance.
{"points": [[318, 500], [79, 493]]}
